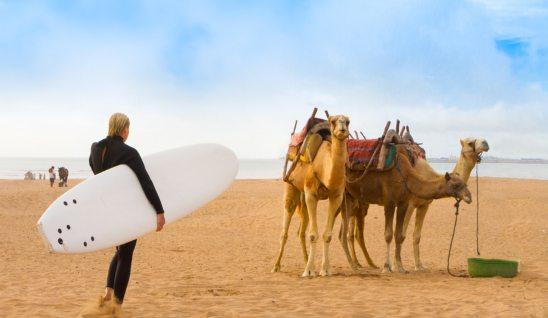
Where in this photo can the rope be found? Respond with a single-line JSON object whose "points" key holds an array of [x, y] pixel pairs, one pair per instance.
{"points": [[477, 208], [366, 170], [457, 205]]}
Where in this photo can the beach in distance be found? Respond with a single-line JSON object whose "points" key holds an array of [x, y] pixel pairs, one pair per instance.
{"points": [[217, 261], [15, 168]]}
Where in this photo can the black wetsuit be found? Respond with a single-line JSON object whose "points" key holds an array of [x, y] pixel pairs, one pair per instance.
{"points": [[105, 154]]}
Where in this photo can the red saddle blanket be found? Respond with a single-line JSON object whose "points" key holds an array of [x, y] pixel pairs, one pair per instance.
{"points": [[361, 150], [298, 138], [416, 151]]}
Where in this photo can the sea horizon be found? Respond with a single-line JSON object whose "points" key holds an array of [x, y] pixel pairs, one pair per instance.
{"points": [[14, 168]]}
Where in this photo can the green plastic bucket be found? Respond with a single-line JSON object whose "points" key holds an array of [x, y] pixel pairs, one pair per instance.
{"points": [[481, 267]]}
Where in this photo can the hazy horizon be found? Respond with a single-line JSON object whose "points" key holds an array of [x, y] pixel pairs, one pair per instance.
{"points": [[240, 73]]}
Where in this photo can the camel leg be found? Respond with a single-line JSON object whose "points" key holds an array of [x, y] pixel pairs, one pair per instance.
{"points": [[360, 238], [343, 233], [408, 215], [312, 205], [304, 225], [334, 204], [419, 220], [350, 237], [289, 208], [388, 233], [400, 217]]}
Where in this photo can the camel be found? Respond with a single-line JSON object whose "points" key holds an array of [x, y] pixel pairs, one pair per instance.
{"points": [[394, 189], [471, 149], [63, 176], [323, 178]]}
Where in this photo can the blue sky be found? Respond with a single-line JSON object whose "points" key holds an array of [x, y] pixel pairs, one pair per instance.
{"points": [[240, 72]]}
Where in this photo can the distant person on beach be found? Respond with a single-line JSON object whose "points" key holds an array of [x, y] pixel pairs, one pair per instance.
{"points": [[63, 176], [105, 154], [51, 176]]}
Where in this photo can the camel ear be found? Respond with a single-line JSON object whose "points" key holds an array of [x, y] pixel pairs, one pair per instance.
{"points": [[447, 176], [462, 143]]}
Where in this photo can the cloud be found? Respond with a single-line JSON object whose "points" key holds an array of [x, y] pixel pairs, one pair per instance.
{"points": [[240, 73]]}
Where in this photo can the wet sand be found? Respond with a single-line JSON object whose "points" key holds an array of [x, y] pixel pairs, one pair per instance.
{"points": [[217, 262]]}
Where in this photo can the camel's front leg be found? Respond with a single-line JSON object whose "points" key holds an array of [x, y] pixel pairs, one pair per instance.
{"points": [[346, 214], [400, 216], [388, 233], [419, 220], [350, 237], [335, 201], [410, 210], [311, 205], [359, 232]]}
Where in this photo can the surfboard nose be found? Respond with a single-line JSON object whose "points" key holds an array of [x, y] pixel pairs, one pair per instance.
{"points": [[39, 226]]}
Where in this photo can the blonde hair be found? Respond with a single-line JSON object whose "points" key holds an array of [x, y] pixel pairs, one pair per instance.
{"points": [[117, 123]]}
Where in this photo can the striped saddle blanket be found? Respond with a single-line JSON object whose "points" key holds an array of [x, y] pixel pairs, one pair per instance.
{"points": [[360, 153]]}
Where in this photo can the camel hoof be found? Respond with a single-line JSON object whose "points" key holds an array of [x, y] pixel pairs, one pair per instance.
{"points": [[275, 269], [401, 270], [358, 265], [325, 272], [421, 268], [386, 269], [372, 265], [308, 273]]}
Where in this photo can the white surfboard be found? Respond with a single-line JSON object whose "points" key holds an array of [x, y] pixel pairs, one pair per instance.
{"points": [[110, 208]]}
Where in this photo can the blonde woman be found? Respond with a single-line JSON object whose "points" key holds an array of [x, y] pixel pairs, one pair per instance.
{"points": [[105, 154]]}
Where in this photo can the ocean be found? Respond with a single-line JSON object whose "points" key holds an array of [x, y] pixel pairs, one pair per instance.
{"points": [[15, 168]]}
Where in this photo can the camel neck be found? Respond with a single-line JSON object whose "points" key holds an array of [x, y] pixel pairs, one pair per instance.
{"points": [[426, 188], [339, 156], [464, 167]]}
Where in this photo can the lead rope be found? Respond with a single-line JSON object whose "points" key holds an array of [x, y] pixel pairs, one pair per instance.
{"points": [[477, 207], [457, 205]]}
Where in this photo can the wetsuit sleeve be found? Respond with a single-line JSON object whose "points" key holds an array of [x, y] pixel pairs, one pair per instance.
{"points": [[92, 166], [136, 164]]}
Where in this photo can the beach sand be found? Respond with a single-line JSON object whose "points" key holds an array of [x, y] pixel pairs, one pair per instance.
{"points": [[217, 262]]}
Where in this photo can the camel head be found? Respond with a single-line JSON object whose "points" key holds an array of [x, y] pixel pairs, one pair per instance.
{"points": [[473, 147], [457, 188], [339, 126]]}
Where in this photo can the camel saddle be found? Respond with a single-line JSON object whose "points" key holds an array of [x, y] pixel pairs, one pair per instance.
{"points": [[306, 143], [362, 151], [415, 152]]}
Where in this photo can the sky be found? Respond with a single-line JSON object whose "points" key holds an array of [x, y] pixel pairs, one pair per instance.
{"points": [[240, 72]]}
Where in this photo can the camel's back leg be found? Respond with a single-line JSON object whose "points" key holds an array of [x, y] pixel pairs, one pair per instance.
{"points": [[303, 212], [291, 201]]}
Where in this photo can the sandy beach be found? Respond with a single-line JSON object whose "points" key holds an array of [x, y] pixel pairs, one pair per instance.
{"points": [[217, 262]]}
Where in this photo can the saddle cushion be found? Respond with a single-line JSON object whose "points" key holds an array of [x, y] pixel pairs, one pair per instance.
{"points": [[416, 151], [360, 153], [361, 150], [298, 138]]}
